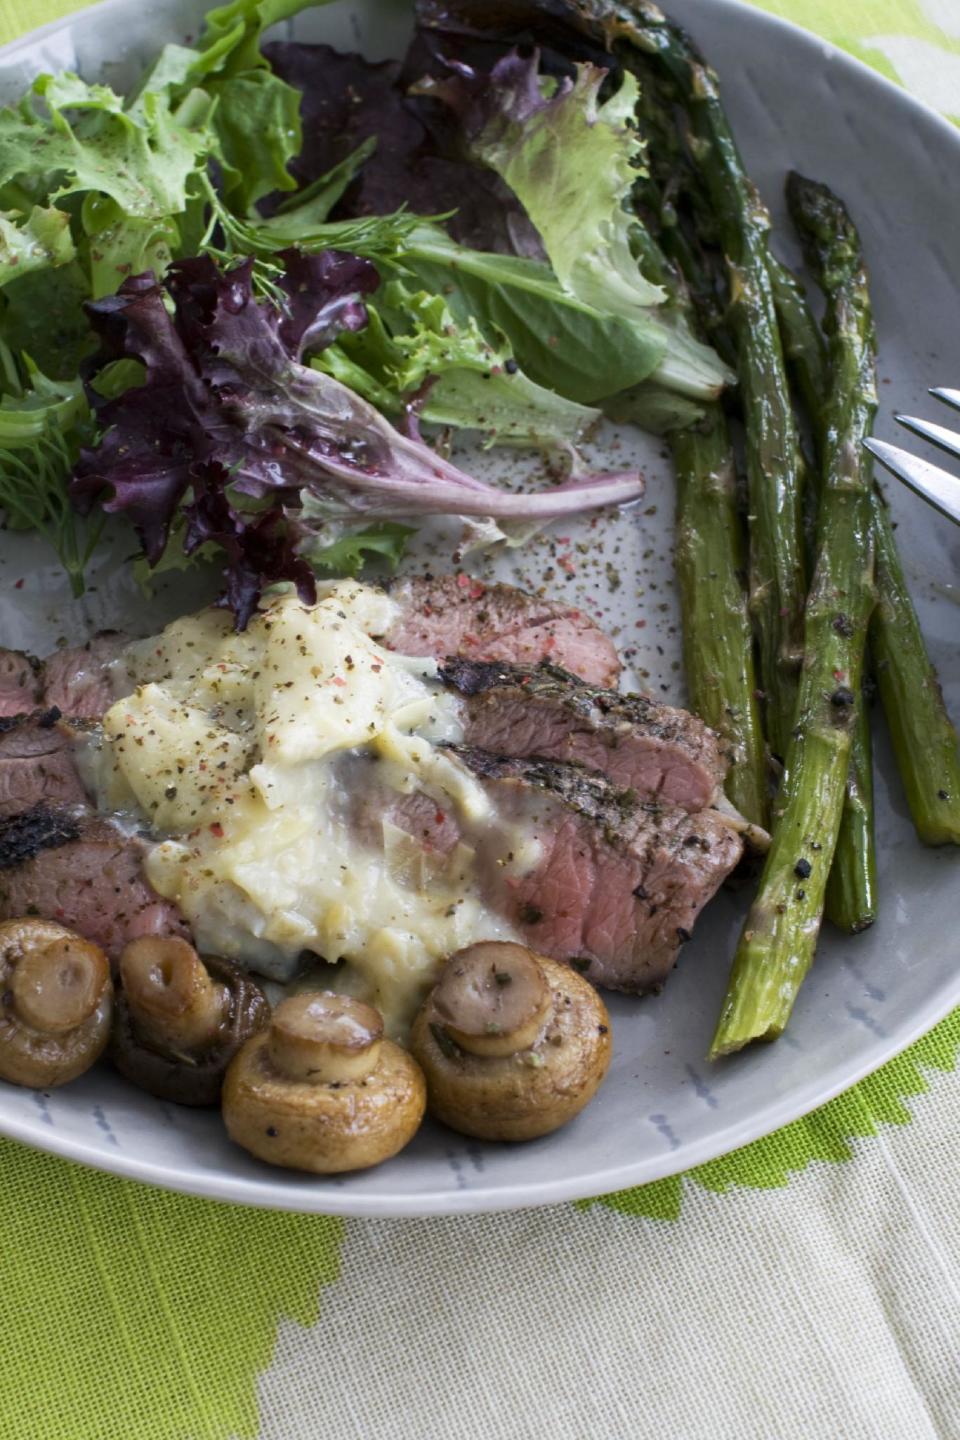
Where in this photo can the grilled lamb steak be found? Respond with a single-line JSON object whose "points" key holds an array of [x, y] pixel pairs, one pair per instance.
{"points": [[456, 615], [657, 751], [36, 764], [619, 883], [21, 686], [80, 870]]}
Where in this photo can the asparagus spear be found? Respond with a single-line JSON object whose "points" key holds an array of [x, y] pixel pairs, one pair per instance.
{"points": [[717, 642], [851, 902], [924, 741], [780, 934], [773, 463], [801, 338], [710, 559]]}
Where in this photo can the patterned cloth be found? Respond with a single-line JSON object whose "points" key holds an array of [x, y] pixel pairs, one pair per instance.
{"points": [[807, 1286]]}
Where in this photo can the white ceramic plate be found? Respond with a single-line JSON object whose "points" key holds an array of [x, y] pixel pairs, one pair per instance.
{"points": [[795, 102]]}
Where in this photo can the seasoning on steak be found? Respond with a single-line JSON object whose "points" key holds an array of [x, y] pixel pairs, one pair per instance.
{"points": [[657, 751], [20, 683], [89, 879], [42, 827], [78, 681], [37, 764], [618, 884], [456, 615]]}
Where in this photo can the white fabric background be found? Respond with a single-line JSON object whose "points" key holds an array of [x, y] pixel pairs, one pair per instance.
{"points": [[829, 1310]]}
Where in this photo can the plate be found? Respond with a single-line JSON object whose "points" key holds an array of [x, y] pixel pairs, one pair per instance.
{"points": [[795, 102]]}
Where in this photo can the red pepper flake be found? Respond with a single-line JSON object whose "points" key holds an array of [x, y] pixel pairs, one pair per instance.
{"points": [[439, 818], [566, 564], [18, 585], [641, 624], [839, 674], [376, 669], [338, 680], [217, 829], [463, 580], [562, 539]]}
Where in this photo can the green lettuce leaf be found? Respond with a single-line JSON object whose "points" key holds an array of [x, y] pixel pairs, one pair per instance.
{"points": [[385, 542], [35, 241], [559, 341], [571, 162], [257, 116], [413, 347]]}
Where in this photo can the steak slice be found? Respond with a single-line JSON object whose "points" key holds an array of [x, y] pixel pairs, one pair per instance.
{"points": [[78, 681], [80, 870], [20, 684], [36, 764], [618, 884], [657, 751], [456, 615]]}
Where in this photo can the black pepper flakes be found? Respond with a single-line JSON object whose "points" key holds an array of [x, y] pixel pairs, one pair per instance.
{"points": [[802, 869]]}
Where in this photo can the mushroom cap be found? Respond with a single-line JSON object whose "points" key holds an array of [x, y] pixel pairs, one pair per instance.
{"points": [[56, 1005], [323, 1127], [190, 1078], [531, 1092]]}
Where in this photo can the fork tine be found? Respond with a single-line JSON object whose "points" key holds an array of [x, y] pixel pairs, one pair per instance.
{"points": [[934, 485], [938, 435], [949, 397]]}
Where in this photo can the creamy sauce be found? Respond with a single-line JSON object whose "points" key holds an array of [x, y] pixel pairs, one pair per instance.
{"points": [[268, 764]]}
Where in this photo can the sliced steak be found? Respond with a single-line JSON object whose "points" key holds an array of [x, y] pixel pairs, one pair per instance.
{"points": [[455, 615], [618, 885], [658, 751], [80, 870], [37, 764], [20, 683], [78, 681]]}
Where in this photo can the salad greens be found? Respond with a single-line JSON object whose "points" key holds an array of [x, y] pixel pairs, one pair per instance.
{"points": [[147, 244], [232, 429]]}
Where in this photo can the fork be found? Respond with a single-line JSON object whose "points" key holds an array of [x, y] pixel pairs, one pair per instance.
{"points": [[938, 487]]}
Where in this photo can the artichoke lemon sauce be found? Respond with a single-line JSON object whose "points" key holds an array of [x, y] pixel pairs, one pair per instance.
{"points": [[267, 765]]}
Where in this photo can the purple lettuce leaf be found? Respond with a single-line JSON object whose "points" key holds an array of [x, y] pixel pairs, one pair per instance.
{"points": [[419, 161], [259, 548], [232, 426]]}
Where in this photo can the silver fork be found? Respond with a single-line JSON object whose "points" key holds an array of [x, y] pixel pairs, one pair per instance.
{"points": [[938, 487]]}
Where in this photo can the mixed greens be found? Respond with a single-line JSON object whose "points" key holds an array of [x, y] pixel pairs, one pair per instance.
{"points": [[252, 364], [244, 308]]}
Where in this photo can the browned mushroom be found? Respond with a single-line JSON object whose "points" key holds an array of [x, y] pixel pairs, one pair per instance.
{"points": [[180, 1020], [322, 1090], [56, 1000], [512, 1044]]}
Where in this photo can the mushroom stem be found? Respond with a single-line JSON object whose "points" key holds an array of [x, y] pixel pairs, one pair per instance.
{"points": [[325, 1039], [493, 998], [173, 1001], [58, 987]]}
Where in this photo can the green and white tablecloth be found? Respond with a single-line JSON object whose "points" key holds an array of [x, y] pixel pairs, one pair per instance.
{"points": [[805, 1288]]}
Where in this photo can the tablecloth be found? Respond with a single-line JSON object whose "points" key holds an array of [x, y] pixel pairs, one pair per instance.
{"points": [[804, 1288]]}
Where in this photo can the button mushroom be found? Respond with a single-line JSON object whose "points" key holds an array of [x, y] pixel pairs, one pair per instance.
{"points": [[56, 1000], [512, 1044], [180, 1020], [321, 1089]]}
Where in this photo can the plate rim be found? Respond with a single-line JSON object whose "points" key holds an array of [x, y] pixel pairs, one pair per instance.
{"points": [[272, 1193]]}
